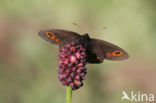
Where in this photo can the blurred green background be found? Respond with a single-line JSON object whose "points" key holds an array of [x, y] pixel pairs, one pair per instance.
{"points": [[28, 64]]}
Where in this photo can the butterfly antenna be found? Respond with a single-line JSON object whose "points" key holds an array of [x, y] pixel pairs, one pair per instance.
{"points": [[103, 28], [80, 27]]}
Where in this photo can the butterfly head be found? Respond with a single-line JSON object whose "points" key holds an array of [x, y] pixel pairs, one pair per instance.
{"points": [[85, 36], [84, 40]]}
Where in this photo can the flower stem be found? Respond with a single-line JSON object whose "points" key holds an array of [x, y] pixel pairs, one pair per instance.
{"points": [[69, 94]]}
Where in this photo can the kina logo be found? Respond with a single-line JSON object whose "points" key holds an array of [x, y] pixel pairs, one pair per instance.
{"points": [[140, 97]]}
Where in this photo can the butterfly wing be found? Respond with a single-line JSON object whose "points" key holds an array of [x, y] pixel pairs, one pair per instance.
{"points": [[104, 50], [57, 36]]}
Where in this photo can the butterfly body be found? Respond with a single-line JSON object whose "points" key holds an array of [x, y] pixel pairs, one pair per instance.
{"points": [[96, 50]]}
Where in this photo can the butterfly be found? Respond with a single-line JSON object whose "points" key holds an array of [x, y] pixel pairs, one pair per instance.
{"points": [[96, 50]]}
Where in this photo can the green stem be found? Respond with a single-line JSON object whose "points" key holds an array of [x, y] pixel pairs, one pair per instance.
{"points": [[69, 94]]}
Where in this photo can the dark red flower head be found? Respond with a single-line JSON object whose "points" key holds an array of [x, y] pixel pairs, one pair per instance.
{"points": [[72, 61]]}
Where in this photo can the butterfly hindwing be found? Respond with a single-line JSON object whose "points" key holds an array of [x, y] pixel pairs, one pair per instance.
{"points": [[94, 52], [57, 36], [105, 50]]}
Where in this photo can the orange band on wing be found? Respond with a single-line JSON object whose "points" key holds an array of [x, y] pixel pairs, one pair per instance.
{"points": [[53, 37], [50, 35], [57, 40], [109, 54], [47, 34], [117, 53]]}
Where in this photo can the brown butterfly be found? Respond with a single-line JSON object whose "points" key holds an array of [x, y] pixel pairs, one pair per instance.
{"points": [[96, 50]]}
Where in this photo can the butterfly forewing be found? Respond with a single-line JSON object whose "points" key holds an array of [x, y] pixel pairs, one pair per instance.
{"points": [[56, 36]]}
